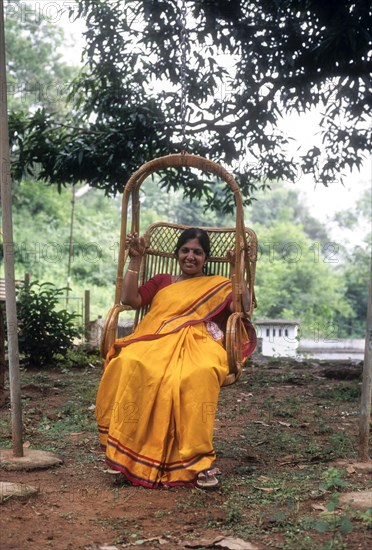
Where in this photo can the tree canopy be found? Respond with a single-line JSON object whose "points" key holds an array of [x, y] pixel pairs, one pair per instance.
{"points": [[248, 63], [36, 76]]}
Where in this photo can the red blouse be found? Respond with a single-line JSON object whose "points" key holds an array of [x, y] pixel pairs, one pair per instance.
{"points": [[149, 289]]}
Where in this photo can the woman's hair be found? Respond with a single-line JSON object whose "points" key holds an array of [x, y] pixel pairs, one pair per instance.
{"points": [[194, 233]]}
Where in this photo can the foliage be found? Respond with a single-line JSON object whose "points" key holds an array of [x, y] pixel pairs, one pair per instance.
{"points": [[285, 57], [330, 521], [323, 279], [171, 206], [78, 358], [282, 203], [356, 287], [44, 330], [43, 249], [295, 280], [297, 276], [29, 39], [357, 263], [333, 479]]}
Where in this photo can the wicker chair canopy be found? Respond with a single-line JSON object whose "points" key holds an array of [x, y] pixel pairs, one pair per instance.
{"points": [[161, 239]]}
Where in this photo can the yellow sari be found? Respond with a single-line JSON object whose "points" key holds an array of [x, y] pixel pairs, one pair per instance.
{"points": [[158, 395]]}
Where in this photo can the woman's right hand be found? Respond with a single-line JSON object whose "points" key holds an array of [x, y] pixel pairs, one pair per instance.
{"points": [[136, 249], [136, 245]]}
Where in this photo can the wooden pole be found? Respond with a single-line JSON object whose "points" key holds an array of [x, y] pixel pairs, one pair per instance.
{"points": [[86, 314], [2, 354], [8, 245], [27, 281], [365, 402]]}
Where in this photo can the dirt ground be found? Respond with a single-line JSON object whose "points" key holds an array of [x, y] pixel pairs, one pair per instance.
{"points": [[279, 434]]}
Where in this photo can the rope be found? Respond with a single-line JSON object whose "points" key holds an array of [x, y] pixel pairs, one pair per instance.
{"points": [[183, 37]]}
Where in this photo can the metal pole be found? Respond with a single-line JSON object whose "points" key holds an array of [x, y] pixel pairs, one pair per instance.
{"points": [[365, 401], [8, 245]]}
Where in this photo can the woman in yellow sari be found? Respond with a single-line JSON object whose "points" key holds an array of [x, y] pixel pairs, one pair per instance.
{"points": [[158, 395]]}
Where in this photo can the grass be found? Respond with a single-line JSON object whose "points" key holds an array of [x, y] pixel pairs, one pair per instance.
{"points": [[277, 438], [276, 505], [50, 428]]}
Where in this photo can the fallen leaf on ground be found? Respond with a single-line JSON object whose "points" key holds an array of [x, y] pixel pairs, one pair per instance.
{"points": [[350, 469], [263, 478]]}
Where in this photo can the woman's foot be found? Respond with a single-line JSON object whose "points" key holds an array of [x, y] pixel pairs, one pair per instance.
{"points": [[207, 479], [112, 472]]}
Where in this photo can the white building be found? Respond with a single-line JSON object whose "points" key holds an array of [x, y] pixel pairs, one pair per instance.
{"points": [[281, 338], [278, 337]]}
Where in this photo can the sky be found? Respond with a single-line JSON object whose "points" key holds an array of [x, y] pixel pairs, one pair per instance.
{"points": [[324, 201]]}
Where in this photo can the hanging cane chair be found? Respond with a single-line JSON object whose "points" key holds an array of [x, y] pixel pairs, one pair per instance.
{"points": [[160, 241]]}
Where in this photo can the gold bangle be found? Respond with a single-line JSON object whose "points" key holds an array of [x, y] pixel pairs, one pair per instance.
{"points": [[132, 271]]}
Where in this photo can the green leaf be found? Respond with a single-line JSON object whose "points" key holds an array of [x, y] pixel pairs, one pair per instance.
{"points": [[321, 526], [346, 526]]}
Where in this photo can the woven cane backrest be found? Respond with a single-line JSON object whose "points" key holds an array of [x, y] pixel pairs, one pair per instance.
{"points": [[161, 239], [131, 192]]}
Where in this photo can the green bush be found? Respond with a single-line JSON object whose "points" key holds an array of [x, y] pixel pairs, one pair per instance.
{"points": [[44, 330], [78, 358]]}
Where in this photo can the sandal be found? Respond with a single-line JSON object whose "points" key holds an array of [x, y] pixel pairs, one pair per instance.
{"points": [[112, 472], [207, 479]]}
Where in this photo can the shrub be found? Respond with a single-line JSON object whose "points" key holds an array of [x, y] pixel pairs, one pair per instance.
{"points": [[43, 330], [78, 358]]}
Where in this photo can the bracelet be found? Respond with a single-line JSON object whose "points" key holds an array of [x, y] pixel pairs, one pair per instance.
{"points": [[132, 271]]}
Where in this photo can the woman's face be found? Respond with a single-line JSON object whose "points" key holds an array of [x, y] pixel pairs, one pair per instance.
{"points": [[191, 258]]}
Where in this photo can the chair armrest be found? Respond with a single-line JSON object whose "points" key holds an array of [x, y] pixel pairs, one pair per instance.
{"points": [[233, 347], [240, 343], [110, 327]]}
